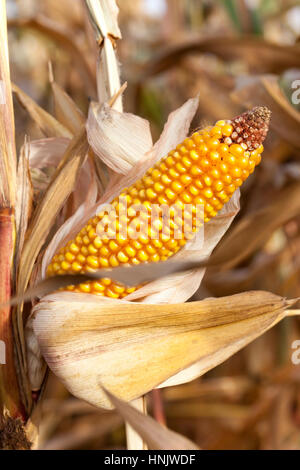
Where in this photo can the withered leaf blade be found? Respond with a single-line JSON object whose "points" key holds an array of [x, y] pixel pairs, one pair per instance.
{"points": [[131, 348], [154, 434], [47, 123], [260, 55], [66, 111], [254, 229]]}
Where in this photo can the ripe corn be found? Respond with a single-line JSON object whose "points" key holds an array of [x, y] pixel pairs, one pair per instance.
{"points": [[205, 169]]}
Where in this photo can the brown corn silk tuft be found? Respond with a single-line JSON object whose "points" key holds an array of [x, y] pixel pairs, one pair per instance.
{"points": [[204, 171]]}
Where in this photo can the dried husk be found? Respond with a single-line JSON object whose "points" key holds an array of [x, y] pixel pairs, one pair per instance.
{"points": [[130, 348]]}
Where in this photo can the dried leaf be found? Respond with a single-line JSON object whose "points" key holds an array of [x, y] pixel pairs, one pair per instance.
{"points": [[265, 91], [253, 230], [259, 54], [154, 434], [66, 111], [131, 348], [47, 152], [110, 134], [46, 212], [47, 123], [24, 200]]}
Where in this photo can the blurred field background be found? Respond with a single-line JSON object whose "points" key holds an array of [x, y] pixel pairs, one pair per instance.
{"points": [[170, 51]]}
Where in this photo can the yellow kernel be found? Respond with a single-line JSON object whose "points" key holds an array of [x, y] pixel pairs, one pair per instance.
{"points": [[208, 193], [142, 256], [165, 179], [220, 123], [227, 130], [86, 288], [170, 162], [76, 267], [74, 248], [176, 186], [104, 251], [156, 174], [104, 262], [223, 149], [93, 262], [92, 250], [150, 193], [98, 287], [170, 194], [111, 293], [236, 172], [207, 180], [213, 143], [180, 167], [122, 257], [218, 185], [69, 257], [158, 187], [130, 251], [113, 261], [194, 155], [186, 197], [185, 179], [81, 259], [65, 265], [118, 289], [236, 150], [195, 171], [97, 242]]}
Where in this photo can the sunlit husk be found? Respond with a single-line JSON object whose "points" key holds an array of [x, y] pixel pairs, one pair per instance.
{"points": [[87, 343]]}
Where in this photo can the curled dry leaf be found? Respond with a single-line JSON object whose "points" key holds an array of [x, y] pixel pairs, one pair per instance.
{"points": [[47, 123], [119, 139], [66, 111], [47, 152], [156, 436], [266, 91], [130, 348]]}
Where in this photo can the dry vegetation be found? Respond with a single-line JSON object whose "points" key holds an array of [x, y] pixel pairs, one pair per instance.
{"points": [[235, 57]]}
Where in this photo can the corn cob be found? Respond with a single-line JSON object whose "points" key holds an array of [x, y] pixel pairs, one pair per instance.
{"points": [[204, 170]]}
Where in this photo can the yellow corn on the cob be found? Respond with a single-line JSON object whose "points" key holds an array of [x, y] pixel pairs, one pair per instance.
{"points": [[204, 170]]}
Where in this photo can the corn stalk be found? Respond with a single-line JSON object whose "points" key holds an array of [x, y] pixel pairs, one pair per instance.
{"points": [[10, 400]]}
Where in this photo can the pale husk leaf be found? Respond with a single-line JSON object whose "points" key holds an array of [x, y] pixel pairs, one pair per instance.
{"points": [[119, 139], [130, 348]]}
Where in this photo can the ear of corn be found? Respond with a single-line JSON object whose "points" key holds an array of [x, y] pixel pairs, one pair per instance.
{"points": [[204, 170]]}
